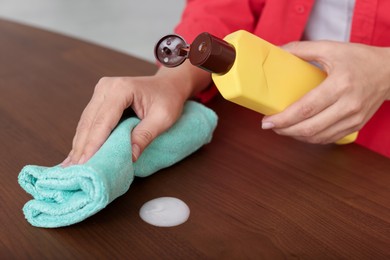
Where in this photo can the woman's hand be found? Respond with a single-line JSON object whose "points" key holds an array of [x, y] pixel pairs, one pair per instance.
{"points": [[156, 104], [357, 84], [157, 100]]}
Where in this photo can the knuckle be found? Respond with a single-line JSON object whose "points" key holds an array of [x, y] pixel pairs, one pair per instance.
{"points": [[308, 131], [282, 122], [345, 84], [357, 122], [102, 84], [306, 110], [144, 136], [354, 107], [101, 124], [109, 83], [90, 147], [84, 125], [116, 84]]}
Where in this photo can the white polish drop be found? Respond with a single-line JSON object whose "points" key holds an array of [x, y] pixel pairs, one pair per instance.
{"points": [[165, 212]]}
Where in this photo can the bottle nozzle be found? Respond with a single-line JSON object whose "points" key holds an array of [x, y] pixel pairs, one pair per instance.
{"points": [[206, 52]]}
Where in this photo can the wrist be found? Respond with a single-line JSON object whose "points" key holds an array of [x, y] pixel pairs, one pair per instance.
{"points": [[185, 79]]}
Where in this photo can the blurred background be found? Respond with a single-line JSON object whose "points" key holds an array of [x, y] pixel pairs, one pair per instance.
{"points": [[128, 26]]}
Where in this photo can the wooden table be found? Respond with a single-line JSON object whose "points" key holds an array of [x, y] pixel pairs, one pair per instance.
{"points": [[252, 193]]}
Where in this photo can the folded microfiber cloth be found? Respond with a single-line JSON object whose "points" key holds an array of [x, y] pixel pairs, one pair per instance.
{"points": [[64, 196]]}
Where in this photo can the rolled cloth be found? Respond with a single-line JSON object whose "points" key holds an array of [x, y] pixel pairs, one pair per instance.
{"points": [[67, 195]]}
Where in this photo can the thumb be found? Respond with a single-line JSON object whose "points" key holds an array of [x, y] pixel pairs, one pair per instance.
{"points": [[144, 133]]}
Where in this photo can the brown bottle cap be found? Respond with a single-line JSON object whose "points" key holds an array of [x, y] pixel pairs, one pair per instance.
{"points": [[212, 54], [171, 50]]}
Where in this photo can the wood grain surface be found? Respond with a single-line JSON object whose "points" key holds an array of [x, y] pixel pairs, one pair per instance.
{"points": [[252, 194]]}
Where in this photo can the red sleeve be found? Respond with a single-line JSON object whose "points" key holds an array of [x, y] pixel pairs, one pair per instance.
{"points": [[375, 135], [218, 17]]}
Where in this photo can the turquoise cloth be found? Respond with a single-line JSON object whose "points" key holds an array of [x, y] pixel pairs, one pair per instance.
{"points": [[65, 196]]}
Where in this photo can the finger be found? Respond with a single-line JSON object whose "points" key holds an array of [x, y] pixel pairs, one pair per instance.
{"points": [[330, 135], [147, 130], [105, 121], [340, 135], [83, 127], [308, 106], [326, 127], [67, 160]]}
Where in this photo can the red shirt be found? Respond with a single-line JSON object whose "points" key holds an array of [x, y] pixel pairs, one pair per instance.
{"points": [[283, 21]]}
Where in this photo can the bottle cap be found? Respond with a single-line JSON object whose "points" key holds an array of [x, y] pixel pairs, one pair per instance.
{"points": [[206, 52], [212, 54], [171, 50]]}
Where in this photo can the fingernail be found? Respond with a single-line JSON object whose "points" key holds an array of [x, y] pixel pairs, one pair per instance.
{"points": [[135, 152], [82, 159], [65, 162], [267, 125]]}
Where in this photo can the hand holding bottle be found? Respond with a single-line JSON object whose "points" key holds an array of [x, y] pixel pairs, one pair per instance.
{"points": [[357, 84]]}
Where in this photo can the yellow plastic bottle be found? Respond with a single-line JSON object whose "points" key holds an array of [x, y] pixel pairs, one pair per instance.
{"points": [[254, 73]]}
